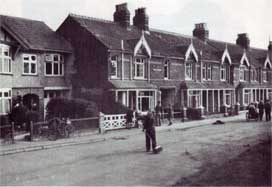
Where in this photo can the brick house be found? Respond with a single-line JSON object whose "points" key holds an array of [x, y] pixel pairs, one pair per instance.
{"points": [[138, 66], [35, 63]]}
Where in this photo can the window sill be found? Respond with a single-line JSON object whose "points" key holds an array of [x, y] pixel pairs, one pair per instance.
{"points": [[139, 78], [6, 73], [54, 75], [33, 75]]}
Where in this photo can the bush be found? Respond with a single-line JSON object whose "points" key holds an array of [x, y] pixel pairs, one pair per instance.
{"points": [[193, 114], [72, 108], [112, 107]]}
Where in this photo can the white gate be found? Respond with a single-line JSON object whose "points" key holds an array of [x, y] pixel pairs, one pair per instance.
{"points": [[112, 122]]}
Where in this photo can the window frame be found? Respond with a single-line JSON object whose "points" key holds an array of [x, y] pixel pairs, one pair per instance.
{"points": [[209, 72], [247, 95], [166, 70], [223, 72], [197, 95], [30, 62], [114, 61], [59, 63], [228, 98], [242, 73], [190, 66], [204, 71], [3, 58], [3, 98], [140, 63]]}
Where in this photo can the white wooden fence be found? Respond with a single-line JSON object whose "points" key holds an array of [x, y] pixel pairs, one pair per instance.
{"points": [[112, 122]]}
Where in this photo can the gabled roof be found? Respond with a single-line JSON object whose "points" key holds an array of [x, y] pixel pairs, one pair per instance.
{"points": [[162, 43], [35, 35], [255, 56]]}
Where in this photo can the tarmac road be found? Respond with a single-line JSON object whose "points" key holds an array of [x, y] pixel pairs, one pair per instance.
{"points": [[123, 161]]}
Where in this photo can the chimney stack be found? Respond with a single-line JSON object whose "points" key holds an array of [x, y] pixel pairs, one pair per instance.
{"points": [[122, 15], [270, 46], [243, 40], [141, 19], [201, 31]]}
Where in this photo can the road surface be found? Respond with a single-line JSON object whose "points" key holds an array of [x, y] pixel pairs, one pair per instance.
{"points": [[123, 161]]}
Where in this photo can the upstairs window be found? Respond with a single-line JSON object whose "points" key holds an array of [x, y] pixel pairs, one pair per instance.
{"points": [[139, 68], [166, 69], [204, 71], [265, 76], [254, 76], [54, 65], [188, 71], [113, 67], [29, 64], [5, 59], [209, 72], [223, 73], [5, 101]]}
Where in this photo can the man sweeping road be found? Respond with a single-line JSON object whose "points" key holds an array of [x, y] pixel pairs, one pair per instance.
{"points": [[150, 134]]}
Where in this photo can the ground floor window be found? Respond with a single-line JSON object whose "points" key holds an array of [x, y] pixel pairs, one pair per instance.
{"points": [[138, 100], [194, 99], [228, 97], [247, 97], [5, 101], [270, 94]]}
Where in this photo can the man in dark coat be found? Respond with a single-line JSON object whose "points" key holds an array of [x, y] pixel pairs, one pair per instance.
{"points": [[267, 108], [129, 117], [158, 110], [261, 110], [150, 133]]}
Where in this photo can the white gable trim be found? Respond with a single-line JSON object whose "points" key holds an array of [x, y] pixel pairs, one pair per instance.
{"points": [[226, 55], [190, 50], [244, 57], [267, 61], [142, 42]]}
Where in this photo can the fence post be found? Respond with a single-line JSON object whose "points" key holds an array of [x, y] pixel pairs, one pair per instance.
{"points": [[12, 132], [31, 131], [100, 121]]}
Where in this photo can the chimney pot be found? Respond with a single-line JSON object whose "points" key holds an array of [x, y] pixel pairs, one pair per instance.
{"points": [[201, 31], [243, 40], [122, 15], [141, 19]]}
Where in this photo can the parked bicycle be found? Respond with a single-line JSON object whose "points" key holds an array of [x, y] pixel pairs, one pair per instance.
{"points": [[59, 128]]}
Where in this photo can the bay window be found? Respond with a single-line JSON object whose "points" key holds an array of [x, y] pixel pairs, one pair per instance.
{"points": [[242, 73], [29, 64], [209, 72], [194, 99], [204, 71], [113, 67], [5, 59], [188, 71], [139, 68], [223, 73], [247, 96], [5, 101], [54, 65]]}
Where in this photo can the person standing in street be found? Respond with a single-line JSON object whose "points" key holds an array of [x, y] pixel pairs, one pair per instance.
{"points": [[129, 117], [158, 110], [267, 108], [169, 114], [150, 133], [261, 110]]}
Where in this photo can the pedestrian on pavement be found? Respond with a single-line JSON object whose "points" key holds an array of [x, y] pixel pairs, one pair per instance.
{"points": [[261, 110], [170, 114], [267, 108], [158, 110], [150, 133], [129, 117]]}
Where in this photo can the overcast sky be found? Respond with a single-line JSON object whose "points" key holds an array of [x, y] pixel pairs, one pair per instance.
{"points": [[225, 18]]}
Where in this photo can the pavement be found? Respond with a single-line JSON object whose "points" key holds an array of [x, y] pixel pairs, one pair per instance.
{"points": [[88, 137]]}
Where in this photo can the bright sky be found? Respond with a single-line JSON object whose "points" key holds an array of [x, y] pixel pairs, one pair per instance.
{"points": [[225, 18]]}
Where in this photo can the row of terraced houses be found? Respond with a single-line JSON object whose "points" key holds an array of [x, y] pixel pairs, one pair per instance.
{"points": [[129, 62]]}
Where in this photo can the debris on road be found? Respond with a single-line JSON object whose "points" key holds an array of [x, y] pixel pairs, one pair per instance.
{"points": [[218, 122]]}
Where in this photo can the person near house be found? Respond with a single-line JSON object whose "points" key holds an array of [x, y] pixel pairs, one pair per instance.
{"points": [[129, 117], [158, 110], [150, 133], [261, 110], [169, 114], [267, 108], [252, 111]]}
